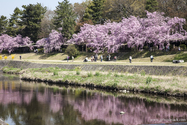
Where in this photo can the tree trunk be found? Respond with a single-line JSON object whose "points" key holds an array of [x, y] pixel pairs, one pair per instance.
{"points": [[86, 48]]}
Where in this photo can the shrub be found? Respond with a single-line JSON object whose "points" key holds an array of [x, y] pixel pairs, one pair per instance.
{"points": [[148, 80], [71, 50], [142, 73], [97, 74], [55, 73], [90, 74], [78, 72]]}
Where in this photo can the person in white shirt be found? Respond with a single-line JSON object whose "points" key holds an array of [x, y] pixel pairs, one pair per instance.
{"points": [[130, 59], [151, 57], [72, 58]]}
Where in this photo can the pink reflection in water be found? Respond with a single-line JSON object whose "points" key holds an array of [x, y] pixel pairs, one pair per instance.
{"points": [[97, 106], [136, 112]]}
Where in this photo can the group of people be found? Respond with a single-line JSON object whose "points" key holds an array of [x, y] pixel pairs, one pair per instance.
{"points": [[95, 58], [151, 58]]}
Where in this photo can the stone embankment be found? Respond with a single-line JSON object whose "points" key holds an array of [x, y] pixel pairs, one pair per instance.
{"points": [[149, 70]]}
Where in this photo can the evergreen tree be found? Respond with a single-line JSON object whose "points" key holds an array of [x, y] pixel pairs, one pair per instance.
{"points": [[94, 11], [31, 20], [88, 12], [97, 11], [87, 15], [65, 19], [151, 5], [3, 24], [14, 23]]}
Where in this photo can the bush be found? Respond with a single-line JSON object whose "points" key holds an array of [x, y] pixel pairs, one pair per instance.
{"points": [[71, 50], [90, 74], [97, 74], [55, 73], [78, 72], [142, 73], [148, 80]]}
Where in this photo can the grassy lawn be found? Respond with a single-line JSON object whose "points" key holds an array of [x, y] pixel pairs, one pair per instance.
{"points": [[138, 58], [159, 56]]}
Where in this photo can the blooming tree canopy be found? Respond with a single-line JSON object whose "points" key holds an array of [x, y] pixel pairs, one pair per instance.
{"points": [[54, 41], [11, 43], [136, 32]]}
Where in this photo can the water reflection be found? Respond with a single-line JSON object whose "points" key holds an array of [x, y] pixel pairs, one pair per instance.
{"points": [[29, 103]]}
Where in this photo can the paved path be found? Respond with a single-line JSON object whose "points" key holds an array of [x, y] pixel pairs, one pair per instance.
{"points": [[107, 62]]}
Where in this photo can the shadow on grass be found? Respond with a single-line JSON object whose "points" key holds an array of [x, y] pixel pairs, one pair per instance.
{"points": [[46, 55], [146, 54]]}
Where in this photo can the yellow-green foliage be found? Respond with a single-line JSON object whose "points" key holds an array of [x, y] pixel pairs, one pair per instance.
{"points": [[77, 68], [5, 57], [0, 57], [12, 56]]}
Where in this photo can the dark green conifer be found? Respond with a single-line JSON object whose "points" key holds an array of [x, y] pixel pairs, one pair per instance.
{"points": [[151, 5], [65, 19]]}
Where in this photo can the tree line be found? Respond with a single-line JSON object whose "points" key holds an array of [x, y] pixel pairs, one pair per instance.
{"points": [[36, 21]]}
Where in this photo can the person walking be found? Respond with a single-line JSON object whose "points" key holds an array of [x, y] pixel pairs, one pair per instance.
{"points": [[115, 58], [101, 58], [151, 57], [67, 58], [96, 56], [20, 57], [109, 57], [72, 58], [130, 59]]}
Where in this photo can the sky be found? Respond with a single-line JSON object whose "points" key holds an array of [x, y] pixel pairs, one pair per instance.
{"points": [[7, 6]]}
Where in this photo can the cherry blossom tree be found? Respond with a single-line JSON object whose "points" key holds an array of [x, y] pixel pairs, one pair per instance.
{"points": [[11, 43], [54, 41], [155, 30]]}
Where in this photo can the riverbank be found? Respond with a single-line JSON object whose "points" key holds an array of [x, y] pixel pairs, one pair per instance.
{"points": [[144, 96], [112, 81]]}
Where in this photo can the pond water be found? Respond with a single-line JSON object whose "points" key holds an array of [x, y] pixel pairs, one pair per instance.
{"points": [[24, 103]]}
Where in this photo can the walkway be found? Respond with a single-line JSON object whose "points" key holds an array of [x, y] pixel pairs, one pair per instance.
{"points": [[119, 62]]}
